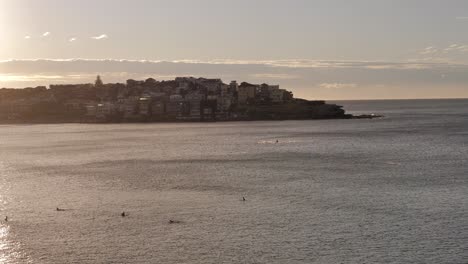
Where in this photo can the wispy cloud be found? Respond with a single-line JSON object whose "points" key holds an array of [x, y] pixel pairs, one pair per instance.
{"points": [[456, 47], [275, 76], [103, 36], [27, 37], [72, 39], [429, 50], [274, 66], [45, 34], [32, 78], [337, 85], [306, 78], [453, 53]]}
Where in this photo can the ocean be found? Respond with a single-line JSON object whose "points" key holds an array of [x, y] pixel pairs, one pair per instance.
{"points": [[386, 190]]}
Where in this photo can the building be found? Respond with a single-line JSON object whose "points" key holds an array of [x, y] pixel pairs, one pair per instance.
{"points": [[129, 107], [212, 85], [105, 110], [262, 95], [194, 100], [90, 110], [144, 106], [245, 93], [158, 108], [76, 91], [276, 94], [225, 99], [174, 106], [233, 86], [76, 104]]}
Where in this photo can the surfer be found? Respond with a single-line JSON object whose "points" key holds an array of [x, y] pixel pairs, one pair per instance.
{"points": [[123, 214], [6, 218], [243, 199]]}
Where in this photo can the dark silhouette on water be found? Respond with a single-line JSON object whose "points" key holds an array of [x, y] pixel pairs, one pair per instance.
{"points": [[123, 214], [174, 221], [6, 218], [277, 141], [243, 199], [59, 209]]}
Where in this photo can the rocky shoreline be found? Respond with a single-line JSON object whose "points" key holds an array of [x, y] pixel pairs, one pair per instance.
{"points": [[185, 99]]}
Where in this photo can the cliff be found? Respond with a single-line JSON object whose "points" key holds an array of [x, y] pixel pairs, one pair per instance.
{"points": [[182, 99]]}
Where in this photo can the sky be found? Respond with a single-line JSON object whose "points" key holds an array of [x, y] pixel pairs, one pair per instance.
{"points": [[319, 49]]}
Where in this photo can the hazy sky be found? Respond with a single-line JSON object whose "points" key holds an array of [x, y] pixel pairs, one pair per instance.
{"points": [[428, 40]]}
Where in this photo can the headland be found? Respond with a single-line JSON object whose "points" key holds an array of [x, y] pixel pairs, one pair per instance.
{"points": [[181, 99]]}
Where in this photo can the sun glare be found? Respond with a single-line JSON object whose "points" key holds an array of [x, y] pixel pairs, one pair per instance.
{"points": [[3, 25]]}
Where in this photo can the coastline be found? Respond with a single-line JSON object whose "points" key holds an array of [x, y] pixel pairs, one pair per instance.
{"points": [[185, 99], [349, 117]]}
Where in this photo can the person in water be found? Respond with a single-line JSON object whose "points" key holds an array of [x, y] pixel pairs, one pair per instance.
{"points": [[123, 214], [6, 218], [243, 198]]}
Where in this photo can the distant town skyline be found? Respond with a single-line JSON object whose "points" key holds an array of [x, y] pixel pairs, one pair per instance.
{"points": [[361, 49]]}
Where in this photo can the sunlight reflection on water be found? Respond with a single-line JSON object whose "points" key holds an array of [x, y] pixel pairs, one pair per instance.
{"points": [[3, 243], [9, 251], [363, 191], [4, 228]]}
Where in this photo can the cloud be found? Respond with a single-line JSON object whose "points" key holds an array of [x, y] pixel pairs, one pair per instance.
{"points": [[306, 78], [451, 53], [429, 50], [274, 76], [281, 69], [72, 39], [462, 18], [456, 48], [27, 37], [31, 78], [103, 36], [337, 85], [45, 34]]}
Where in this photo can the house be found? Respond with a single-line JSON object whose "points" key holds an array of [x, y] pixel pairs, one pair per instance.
{"points": [[105, 110], [174, 106], [194, 100], [246, 92], [158, 109], [276, 94], [144, 106], [129, 107]]}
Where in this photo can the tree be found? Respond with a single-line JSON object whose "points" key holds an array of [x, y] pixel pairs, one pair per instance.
{"points": [[150, 82]]}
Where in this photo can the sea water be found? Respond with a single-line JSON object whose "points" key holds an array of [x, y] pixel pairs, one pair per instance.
{"points": [[387, 190]]}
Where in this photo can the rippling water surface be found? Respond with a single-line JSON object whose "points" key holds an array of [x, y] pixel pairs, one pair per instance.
{"points": [[335, 191]]}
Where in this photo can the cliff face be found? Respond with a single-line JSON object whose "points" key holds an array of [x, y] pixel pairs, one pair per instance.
{"points": [[297, 109], [52, 112], [184, 99]]}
